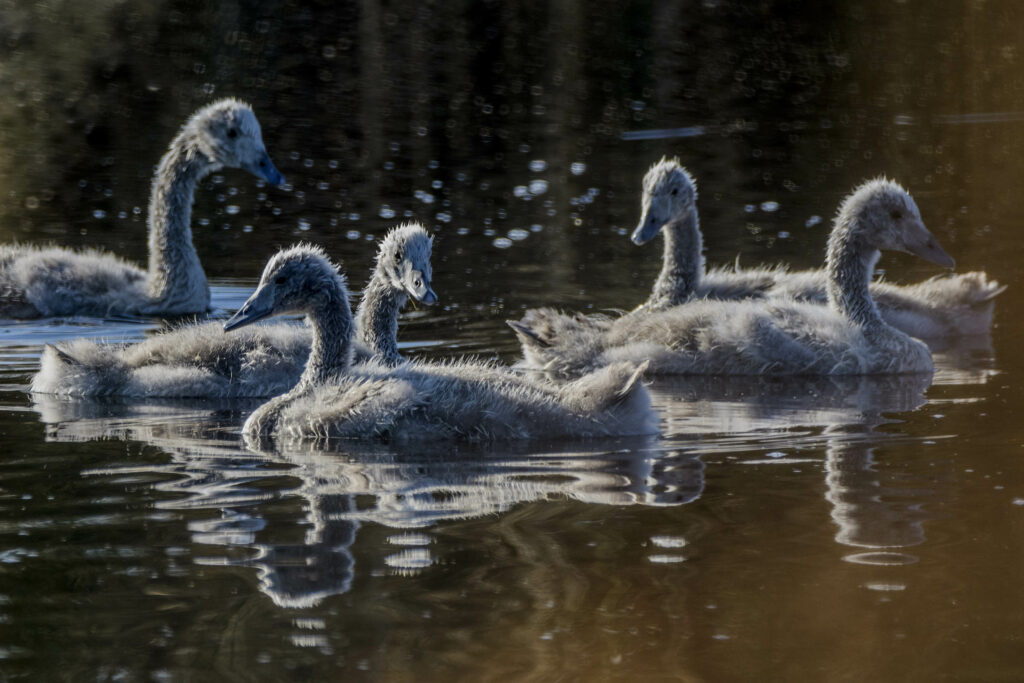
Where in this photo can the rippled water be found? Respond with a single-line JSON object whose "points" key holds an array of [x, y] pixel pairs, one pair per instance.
{"points": [[859, 529]]}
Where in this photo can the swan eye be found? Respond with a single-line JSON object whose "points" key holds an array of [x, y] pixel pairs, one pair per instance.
{"points": [[896, 214], [280, 280], [417, 282], [232, 133]]}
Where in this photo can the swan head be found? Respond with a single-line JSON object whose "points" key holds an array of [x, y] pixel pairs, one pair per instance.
{"points": [[299, 279], [888, 218], [404, 257], [227, 133], [670, 192]]}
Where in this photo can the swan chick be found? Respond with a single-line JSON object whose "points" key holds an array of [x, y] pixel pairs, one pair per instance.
{"points": [[773, 336], [202, 361], [40, 281], [460, 400]]}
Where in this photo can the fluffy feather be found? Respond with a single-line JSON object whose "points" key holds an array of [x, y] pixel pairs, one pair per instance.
{"points": [[751, 337], [460, 400], [203, 360], [53, 281]]}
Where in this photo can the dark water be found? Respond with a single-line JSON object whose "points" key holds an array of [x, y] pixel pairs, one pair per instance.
{"points": [[821, 530]]}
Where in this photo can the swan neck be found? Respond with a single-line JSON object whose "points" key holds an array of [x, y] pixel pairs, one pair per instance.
{"points": [[175, 275], [683, 264], [377, 319], [331, 350], [850, 263]]}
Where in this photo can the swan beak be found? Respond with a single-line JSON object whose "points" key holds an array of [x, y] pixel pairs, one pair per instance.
{"points": [[254, 309], [920, 242], [648, 228], [264, 168], [429, 298]]}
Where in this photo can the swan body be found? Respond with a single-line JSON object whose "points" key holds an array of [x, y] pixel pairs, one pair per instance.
{"points": [[53, 281], [939, 307], [773, 336], [460, 400], [202, 360]]}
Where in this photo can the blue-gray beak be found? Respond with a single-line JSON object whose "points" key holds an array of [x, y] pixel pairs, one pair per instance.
{"points": [[430, 298], [648, 228], [249, 313], [264, 168]]}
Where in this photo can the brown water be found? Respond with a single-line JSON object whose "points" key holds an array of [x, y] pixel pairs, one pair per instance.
{"points": [[804, 530]]}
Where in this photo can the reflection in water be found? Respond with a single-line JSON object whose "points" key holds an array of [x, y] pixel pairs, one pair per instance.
{"points": [[871, 512], [350, 485]]}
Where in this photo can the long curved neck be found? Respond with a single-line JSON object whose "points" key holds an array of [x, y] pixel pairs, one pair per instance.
{"points": [[176, 277], [682, 267], [331, 351], [377, 319], [849, 265]]}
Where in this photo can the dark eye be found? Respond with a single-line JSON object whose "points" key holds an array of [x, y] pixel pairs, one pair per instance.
{"points": [[280, 280], [896, 214], [418, 282], [232, 133]]}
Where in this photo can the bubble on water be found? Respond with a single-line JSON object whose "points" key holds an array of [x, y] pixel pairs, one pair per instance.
{"points": [[410, 539], [885, 586], [502, 243], [353, 216], [410, 558], [775, 454], [750, 208], [668, 541], [386, 212], [462, 231], [444, 217], [518, 234], [232, 209], [436, 184], [538, 166], [520, 191], [536, 227], [538, 187], [31, 202], [424, 197], [246, 228], [304, 224], [577, 168], [769, 207], [99, 213], [812, 221], [332, 164], [433, 164], [666, 559], [783, 234], [352, 234]]}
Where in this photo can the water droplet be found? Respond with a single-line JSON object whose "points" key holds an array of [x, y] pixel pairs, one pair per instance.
{"points": [[99, 213], [502, 243], [518, 234], [304, 224], [538, 187], [352, 234], [578, 168], [750, 208], [666, 559], [536, 227], [538, 166], [783, 234], [812, 221], [411, 558], [232, 209], [246, 228], [386, 212], [769, 207], [520, 191], [775, 454], [31, 202]]}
